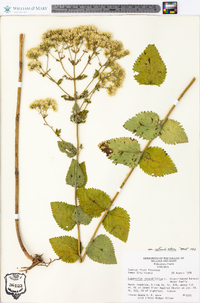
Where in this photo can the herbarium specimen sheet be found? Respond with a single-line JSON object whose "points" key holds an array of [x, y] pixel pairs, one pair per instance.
{"points": [[94, 142]]}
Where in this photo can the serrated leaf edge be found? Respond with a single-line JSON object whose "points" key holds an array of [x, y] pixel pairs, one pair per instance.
{"points": [[181, 126], [95, 189], [168, 157], [136, 116], [71, 252], [56, 220], [117, 207], [140, 56], [112, 248]]}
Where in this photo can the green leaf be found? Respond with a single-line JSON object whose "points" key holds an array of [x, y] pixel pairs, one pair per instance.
{"points": [[81, 77], [156, 162], [60, 81], [84, 94], [67, 98], [79, 216], [96, 74], [150, 67], [66, 248], [122, 150], [83, 167], [117, 223], [62, 213], [101, 250], [75, 175], [77, 115], [93, 201], [67, 78], [75, 108], [145, 125], [67, 148], [58, 132], [173, 133]]}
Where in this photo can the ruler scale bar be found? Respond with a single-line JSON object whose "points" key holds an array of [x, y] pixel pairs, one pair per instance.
{"points": [[108, 8]]}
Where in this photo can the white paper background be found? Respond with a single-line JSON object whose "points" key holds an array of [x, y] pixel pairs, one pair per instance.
{"points": [[164, 211]]}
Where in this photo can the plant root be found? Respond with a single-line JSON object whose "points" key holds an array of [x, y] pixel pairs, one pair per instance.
{"points": [[37, 261]]}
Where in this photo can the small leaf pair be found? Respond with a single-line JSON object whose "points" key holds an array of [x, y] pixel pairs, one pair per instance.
{"points": [[147, 125], [67, 215], [94, 202], [154, 161]]}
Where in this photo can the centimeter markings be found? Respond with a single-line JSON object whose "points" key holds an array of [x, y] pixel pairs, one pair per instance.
{"points": [[105, 8]]}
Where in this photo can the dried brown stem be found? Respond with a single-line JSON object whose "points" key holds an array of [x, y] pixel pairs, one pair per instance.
{"points": [[132, 169], [37, 259], [21, 38]]}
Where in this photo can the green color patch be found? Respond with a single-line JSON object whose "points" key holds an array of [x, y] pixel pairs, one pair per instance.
{"points": [[75, 175], [150, 67], [117, 223], [68, 148], [83, 167], [93, 201], [101, 250], [66, 248], [173, 133], [156, 162], [122, 151], [79, 216], [62, 213], [145, 125]]}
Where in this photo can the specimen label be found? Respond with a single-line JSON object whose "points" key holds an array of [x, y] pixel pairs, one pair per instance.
{"points": [[161, 276]]}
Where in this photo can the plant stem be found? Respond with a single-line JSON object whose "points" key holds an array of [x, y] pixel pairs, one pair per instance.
{"points": [[37, 259], [77, 158], [86, 63], [50, 78], [60, 60], [21, 38], [47, 124], [99, 70], [132, 169]]}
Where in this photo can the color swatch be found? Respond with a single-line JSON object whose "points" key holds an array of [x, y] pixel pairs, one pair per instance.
{"points": [[169, 7]]}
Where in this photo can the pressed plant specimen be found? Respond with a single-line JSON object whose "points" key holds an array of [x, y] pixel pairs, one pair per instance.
{"points": [[77, 50]]}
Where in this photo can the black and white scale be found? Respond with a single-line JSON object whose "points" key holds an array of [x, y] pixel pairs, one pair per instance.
{"points": [[105, 8]]}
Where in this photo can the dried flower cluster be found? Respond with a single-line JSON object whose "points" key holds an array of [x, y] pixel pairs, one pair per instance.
{"points": [[86, 40], [43, 105]]}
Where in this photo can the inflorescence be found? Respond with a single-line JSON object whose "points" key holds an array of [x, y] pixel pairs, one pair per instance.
{"points": [[86, 40]]}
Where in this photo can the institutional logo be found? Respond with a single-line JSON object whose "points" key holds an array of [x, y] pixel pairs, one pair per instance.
{"points": [[15, 284], [7, 9]]}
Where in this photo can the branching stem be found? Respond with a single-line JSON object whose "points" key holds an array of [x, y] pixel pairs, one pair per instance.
{"points": [[47, 124], [60, 60], [99, 70], [89, 60], [132, 169]]}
